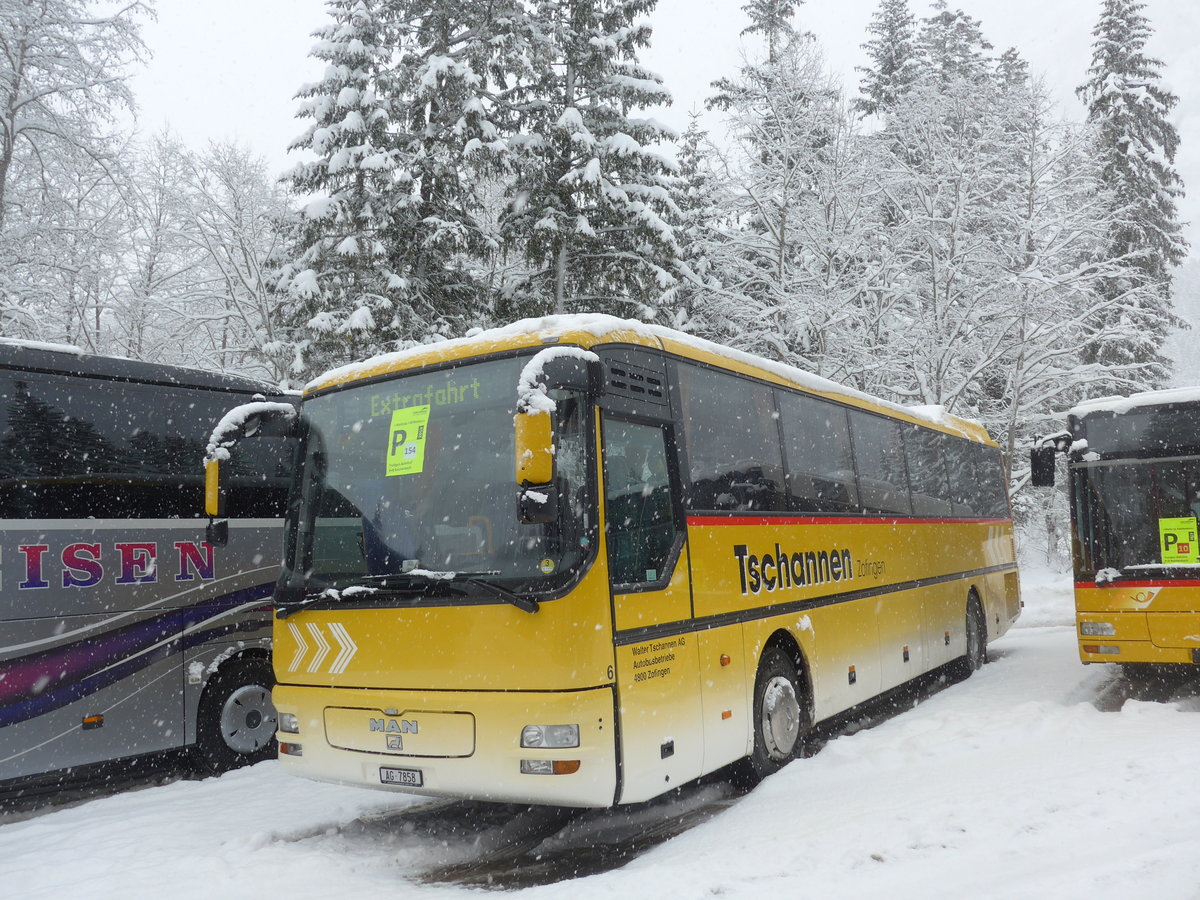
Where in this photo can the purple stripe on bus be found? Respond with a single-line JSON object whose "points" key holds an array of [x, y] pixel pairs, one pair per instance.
{"points": [[28, 677]]}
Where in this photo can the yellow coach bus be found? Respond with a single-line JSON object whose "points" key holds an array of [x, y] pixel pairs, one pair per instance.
{"points": [[1134, 466], [699, 555]]}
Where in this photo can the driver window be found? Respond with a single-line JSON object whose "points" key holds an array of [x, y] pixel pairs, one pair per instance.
{"points": [[639, 511]]}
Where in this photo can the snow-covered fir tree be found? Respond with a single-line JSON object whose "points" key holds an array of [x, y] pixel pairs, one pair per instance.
{"points": [[773, 20], [591, 206], [952, 46], [1129, 107], [460, 88], [1012, 69], [408, 122], [347, 300], [892, 52]]}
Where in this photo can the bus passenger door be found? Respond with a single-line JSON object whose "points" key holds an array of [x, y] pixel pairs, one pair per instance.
{"points": [[661, 743]]}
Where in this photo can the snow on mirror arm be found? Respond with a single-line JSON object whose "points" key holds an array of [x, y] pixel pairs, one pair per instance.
{"points": [[416, 473]]}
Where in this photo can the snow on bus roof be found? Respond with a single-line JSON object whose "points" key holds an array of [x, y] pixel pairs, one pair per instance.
{"points": [[1119, 405], [601, 325], [42, 345]]}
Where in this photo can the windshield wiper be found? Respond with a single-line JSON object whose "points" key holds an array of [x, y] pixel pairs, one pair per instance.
{"points": [[525, 604]]}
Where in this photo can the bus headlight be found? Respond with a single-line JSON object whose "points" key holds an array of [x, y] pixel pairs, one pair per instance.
{"points": [[1098, 629], [550, 736], [288, 723], [549, 766]]}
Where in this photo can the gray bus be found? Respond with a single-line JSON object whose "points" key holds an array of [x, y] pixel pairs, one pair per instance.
{"points": [[123, 633]]}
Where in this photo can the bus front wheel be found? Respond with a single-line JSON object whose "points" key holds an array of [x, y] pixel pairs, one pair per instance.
{"points": [[235, 725], [780, 718]]}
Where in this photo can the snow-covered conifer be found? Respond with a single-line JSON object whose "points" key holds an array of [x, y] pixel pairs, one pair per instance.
{"points": [[773, 20], [893, 57], [1012, 69], [591, 205], [1130, 108], [346, 298], [952, 46]]}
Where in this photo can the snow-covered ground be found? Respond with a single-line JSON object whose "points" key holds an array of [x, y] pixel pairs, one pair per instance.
{"points": [[1036, 778]]}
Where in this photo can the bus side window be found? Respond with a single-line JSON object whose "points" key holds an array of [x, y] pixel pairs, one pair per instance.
{"points": [[929, 487], [879, 461], [993, 491], [820, 464], [639, 512], [731, 429]]}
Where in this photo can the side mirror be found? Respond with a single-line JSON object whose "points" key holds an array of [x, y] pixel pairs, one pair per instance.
{"points": [[214, 489], [534, 447], [257, 418], [216, 532], [537, 504], [1041, 466], [563, 367], [537, 496]]}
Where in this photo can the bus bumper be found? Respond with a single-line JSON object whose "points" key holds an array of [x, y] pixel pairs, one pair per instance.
{"points": [[1139, 637], [453, 744]]}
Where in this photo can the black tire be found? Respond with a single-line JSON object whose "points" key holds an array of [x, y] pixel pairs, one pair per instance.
{"points": [[976, 632], [235, 725], [781, 719]]}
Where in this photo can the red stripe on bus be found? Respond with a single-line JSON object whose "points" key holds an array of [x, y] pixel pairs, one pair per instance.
{"points": [[829, 520]]}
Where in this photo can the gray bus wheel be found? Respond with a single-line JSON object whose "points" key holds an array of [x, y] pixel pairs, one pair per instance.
{"points": [[235, 725], [976, 629], [780, 719]]}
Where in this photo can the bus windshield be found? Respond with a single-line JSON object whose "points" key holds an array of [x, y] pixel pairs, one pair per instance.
{"points": [[415, 475], [1121, 504]]}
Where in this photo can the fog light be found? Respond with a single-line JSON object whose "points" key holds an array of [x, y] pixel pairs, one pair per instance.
{"points": [[1102, 649], [1098, 629], [549, 766], [550, 736], [289, 723], [291, 749]]}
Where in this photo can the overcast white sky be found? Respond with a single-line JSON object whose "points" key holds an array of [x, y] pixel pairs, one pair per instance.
{"points": [[230, 68]]}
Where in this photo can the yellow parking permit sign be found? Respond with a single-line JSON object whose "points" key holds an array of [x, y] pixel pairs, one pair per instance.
{"points": [[406, 440], [1177, 541]]}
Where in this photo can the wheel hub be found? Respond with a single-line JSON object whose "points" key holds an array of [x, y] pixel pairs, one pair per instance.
{"points": [[248, 719], [780, 718]]}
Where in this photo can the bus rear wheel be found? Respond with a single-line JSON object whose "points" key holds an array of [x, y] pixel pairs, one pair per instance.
{"points": [[976, 654], [235, 725], [780, 719]]}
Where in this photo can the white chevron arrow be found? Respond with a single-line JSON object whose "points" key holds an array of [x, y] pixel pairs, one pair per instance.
{"points": [[349, 648], [301, 647], [322, 648]]}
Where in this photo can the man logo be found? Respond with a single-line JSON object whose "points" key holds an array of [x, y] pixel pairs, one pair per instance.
{"points": [[392, 726]]}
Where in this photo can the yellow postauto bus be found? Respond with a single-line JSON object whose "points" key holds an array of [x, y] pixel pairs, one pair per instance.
{"points": [[1134, 466], [581, 561]]}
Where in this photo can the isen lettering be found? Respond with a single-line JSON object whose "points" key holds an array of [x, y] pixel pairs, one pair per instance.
{"points": [[782, 570], [86, 565]]}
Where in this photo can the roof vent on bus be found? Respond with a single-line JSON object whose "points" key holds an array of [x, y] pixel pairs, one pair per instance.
{"points": [[634, 381]]}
